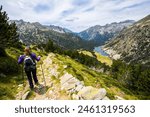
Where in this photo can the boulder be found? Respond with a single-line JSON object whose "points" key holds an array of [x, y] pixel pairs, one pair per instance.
{"points": [[67, 86], [79, 87], [75, 97], [73, 80], [65, 78], [100, 94], [91, 93]]}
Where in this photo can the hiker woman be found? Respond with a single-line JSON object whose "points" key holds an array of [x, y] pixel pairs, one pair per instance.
{"points": [[29, 65]]}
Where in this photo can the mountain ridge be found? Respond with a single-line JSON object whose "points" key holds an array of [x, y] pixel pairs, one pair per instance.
{"points": [[101, 34], [36, 33], [133, 43], [111, 29]]}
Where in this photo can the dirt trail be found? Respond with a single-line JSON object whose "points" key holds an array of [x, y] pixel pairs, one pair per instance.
{"points": [[52, 91]]}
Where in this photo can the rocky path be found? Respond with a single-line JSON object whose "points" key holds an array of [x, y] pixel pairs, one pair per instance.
{"points": [[59, 87], [52, 91]]}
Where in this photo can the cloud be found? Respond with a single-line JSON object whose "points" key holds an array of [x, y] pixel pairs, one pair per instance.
{"points": [[131, 6], [90, 9], [67, 12], [76, 15], [72, 20], [41, 8], [81, 2]]}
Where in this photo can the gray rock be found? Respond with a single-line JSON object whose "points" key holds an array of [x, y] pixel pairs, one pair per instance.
{"points": [[25, 95], [105, 98], [79, 87], [91, 93], [73, 80], [75, 97], [67, 86], [100, 94], [65, 78]]}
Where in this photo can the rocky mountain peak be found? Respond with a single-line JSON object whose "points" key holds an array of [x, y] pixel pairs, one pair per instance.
{"points": [[101, 34]]}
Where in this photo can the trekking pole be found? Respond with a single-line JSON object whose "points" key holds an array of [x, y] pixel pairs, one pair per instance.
{"points": [[43, 75]]}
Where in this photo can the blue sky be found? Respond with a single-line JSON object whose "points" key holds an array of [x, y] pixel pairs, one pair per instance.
{"points": [[76, 15]]}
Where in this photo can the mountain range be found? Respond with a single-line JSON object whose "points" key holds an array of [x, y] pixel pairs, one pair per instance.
{"points": [[101, 34], [132, 44], [128, 40], [36, 33]]}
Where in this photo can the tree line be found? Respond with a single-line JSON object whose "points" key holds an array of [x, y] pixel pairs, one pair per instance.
{"points": [[135, 77], [74, 54], [8, 33]]}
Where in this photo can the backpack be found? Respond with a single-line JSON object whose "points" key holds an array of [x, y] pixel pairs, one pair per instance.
{"points": [[29, 63]]}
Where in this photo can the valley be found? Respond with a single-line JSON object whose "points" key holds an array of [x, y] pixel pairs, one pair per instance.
{"points": [[69, 69]]}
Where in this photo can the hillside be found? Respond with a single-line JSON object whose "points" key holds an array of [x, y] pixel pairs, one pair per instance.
{"points": [[68, 79], [132, 44], [35, 33], [101, 34]]}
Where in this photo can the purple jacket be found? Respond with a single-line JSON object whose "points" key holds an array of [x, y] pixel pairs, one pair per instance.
{"points": [[33, 56]]}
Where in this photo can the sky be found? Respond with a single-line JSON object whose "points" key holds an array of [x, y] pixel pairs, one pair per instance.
{"points": [[76, 15]]}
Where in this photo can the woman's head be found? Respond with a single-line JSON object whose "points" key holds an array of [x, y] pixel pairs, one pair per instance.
{"points": [[27, 50]]}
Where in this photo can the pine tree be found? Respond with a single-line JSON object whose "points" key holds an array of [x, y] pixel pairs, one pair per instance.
{"points": [[13, 36], [8, 33], [3, 28]]}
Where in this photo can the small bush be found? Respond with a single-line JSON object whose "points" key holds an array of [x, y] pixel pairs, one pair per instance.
{"points": [[8, 65]]}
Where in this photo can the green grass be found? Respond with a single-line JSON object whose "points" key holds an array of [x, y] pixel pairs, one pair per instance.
{"points": [[55, 79], [103, 59], [12, 72], [9, 86], [95, 79], [86, 53]]}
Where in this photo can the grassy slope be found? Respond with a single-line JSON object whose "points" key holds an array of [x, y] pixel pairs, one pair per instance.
{"points": [[102, 59], [86, 53], [9, 84], [93, 78]]}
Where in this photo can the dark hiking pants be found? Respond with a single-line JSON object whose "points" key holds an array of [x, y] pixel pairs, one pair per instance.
{"points": [[31, 73]]}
